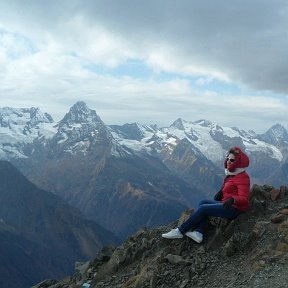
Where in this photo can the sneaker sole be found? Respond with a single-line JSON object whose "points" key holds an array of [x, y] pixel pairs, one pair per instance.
{"points": [[194, 239], [175, 237]]}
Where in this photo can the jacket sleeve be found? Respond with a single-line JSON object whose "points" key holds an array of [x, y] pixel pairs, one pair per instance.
{"points": [[243, 188]]}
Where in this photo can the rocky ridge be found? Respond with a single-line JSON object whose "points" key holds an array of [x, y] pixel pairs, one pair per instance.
{"points": [[250, 251]]}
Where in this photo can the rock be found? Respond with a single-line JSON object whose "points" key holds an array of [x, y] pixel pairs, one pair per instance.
{"points": [[105, 254], [284, 211], [153, 282], [275, 194], [174, 259], [278, 218], [81, 267], [45, 284], [119, 256], [184, 284], [282, 247], [257, 206], [283, 229], [283, 191], [259, 192], [230, 248]]}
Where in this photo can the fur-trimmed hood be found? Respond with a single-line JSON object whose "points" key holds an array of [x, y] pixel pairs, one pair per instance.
{"points": [[241, 159]]}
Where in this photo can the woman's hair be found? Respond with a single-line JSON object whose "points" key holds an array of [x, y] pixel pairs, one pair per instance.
{"points": [[235, 151], [241, 159]]}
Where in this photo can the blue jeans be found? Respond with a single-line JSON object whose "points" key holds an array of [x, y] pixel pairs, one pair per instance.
{"points": [[198, 220]]}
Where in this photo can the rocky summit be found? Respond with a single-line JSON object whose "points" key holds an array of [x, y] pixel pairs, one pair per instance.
{"points": [[250, 251]]}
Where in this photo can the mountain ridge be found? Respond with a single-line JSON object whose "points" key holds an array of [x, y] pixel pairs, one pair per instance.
{"points": [[81, 114]]}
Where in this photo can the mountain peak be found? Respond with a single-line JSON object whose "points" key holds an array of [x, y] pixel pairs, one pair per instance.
{"points": [[276, 134], [133, 131], [80, 129], [29, 117], [179, 124], [79, 113], [204, 123], [80, 106], [37, 116], [278, 129]]}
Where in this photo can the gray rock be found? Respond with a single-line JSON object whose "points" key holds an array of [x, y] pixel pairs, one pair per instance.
{"points": [[174, 259], [45, 284]]}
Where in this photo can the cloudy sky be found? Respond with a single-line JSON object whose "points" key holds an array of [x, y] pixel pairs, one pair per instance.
{"points": [[149, 61]]}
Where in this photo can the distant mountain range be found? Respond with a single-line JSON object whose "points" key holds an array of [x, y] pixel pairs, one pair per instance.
{"points": [[41, 236], [129, 176]]}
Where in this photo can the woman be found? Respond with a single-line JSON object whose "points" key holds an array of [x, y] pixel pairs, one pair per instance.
{"points": [[230, 201]]}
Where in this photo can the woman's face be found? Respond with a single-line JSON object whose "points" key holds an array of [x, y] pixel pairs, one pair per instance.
{"points": [[230, 159]]}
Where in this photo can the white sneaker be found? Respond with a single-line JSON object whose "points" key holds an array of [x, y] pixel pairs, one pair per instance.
{"points": [[195, 235], [173, 234]]}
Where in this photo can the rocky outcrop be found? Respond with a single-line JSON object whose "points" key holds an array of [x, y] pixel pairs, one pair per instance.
{"points": [[250, 251]]}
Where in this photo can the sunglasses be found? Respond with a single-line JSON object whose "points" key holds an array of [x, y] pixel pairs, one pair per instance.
{"points": [[230, 159]]}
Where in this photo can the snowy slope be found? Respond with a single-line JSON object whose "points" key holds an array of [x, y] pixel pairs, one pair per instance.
{"points": [[82, 126], [19, 127], [210, 138]]}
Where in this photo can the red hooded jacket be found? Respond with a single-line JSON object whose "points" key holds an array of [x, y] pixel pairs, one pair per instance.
{"points": [[237, 186]]}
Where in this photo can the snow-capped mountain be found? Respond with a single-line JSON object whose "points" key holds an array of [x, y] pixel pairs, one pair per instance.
{"points": [[209, 138], [81, 127], [19, 127], [82, 130], [105, 169], [268, 152], [276, 135]]}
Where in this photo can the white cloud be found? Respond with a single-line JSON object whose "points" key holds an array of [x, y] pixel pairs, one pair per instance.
{"points": [[50, 52]]}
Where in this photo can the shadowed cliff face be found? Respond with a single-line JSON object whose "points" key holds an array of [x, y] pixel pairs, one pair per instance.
{"points": [[250, 251], [41, 235]]}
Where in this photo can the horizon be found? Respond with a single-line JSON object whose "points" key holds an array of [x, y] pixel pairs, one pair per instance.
{"points": [[148, 62], [148, 124]]}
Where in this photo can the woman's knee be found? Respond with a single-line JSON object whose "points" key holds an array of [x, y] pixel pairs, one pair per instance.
{"points": [[205, 201], [202, 209]]}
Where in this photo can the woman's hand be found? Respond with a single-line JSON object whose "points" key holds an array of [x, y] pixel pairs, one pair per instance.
{"points": [[228, 203]]}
